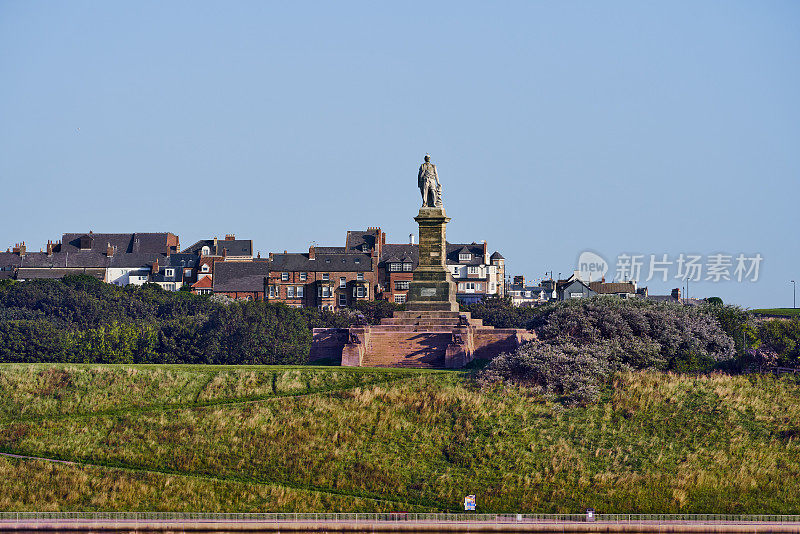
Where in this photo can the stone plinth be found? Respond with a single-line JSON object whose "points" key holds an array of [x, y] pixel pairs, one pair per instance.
{"points": [[432, 287]]}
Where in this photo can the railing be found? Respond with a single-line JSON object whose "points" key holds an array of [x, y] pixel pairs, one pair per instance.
{"points": [[140, 517]]}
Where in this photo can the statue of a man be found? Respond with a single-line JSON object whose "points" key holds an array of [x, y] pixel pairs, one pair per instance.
{"points": [[429, 186]]}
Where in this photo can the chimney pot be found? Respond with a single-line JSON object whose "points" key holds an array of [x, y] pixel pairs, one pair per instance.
{"points": [[230, 237]]}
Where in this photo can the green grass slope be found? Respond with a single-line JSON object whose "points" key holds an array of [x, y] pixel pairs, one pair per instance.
{"points": [[336, 439], [784, 312]]}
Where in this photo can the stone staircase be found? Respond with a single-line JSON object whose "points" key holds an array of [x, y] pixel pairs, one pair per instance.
{"points": [[406, 349], [422, 339]]}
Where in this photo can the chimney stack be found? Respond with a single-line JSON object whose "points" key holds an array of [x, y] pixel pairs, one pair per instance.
{"points": [[20, 248], [410, 239], [485, 254], [154, 268], [271, 256], [215, 245], [224, 253], [49, 248], [230, 237], [311, 253], [676, 293], [110, 250]]}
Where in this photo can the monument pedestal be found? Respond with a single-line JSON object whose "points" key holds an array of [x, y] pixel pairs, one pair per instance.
{"points": [[432, 287]]}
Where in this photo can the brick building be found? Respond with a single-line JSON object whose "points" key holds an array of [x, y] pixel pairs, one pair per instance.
{"points": [[323, 280]]}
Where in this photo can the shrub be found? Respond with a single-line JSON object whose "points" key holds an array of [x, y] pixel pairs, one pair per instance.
{"points": [[582, 343]]}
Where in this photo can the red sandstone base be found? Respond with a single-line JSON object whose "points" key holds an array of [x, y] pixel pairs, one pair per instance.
{"points": [[422, 339]]}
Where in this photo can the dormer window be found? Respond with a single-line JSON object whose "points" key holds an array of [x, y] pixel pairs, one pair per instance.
{"points": [[464, 256], [169, 272], [205, 251], [204, 268], [395, 267], [407, 267]]}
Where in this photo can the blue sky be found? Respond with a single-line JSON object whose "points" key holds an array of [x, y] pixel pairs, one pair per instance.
{"points": [[617, 127]]}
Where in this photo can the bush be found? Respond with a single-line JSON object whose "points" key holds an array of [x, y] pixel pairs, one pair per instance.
{"points": [[582, 343], [81, 319]]}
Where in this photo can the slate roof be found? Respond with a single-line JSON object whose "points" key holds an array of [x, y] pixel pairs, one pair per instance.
{"points": [[240, 275], [394, 252], [330, 250], [25, 273], [294, 262], [357, 238], [134, 243], [454, 249], [401, 253], [9, 259], [86, 259], [496, 256], [534, 289], [235, 247], [184, 261]]}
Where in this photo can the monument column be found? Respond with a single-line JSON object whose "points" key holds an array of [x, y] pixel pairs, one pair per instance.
{"points": [[432, 287]]}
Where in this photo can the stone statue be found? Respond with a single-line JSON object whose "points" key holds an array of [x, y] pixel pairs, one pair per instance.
{"points": [[429, 186]]}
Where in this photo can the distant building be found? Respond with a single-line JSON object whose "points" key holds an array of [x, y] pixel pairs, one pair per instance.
{"points": [[246, 280], [523, 294]]}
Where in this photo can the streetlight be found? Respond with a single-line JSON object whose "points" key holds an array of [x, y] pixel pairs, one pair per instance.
{"points": [[794, 294]]}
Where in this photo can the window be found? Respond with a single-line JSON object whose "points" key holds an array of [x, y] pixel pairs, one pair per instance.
{"points": [[394, 267], [289, 292], [298, 292], [303, 277], [360, 276], [205, 251], [169, 272], [274, 292], [401, 284], [492, 287], [204, 268], [407, 267], [464, 256], [472, 269], [479, 286], [399, 299], [324, 291], [342, 281], [326, 276], [187, 272], [360, 292], [285, 277], [575, 295], [342, 299], [357, 260], [468, 286]]}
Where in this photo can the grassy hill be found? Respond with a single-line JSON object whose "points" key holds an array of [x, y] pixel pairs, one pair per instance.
{"points": [[783, 312], [334, 439]]}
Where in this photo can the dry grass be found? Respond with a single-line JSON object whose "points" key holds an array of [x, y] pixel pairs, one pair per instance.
{"points": [[32, 485], [654, 443]]}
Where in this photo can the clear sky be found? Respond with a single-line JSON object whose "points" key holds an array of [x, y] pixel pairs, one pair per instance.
{"points": [[618, 127]]}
